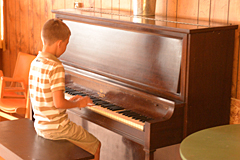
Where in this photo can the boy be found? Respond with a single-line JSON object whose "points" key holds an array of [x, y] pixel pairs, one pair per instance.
{"points": [[47, 85]]}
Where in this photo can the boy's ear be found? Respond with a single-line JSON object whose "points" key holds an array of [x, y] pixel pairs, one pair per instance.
{"points": [[59, 43]]}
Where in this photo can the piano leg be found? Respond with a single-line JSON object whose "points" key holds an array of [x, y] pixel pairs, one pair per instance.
{"points": [[149, 154]]}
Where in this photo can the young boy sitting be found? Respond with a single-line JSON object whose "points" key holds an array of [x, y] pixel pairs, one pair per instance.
{"points": [[47, 85]]}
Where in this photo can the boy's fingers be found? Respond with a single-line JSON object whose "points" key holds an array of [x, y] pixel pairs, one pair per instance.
{"points": [[88, 99], [90, 104], [78, 96], [85, 101]]}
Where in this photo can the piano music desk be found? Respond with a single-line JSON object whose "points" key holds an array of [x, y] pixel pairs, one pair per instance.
{"points": [[19, 141], [217, 143]]}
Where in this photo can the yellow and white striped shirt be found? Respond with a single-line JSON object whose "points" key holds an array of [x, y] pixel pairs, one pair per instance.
{"points": [[46, 76]]}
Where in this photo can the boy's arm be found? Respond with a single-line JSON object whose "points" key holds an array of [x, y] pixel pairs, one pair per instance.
{"points": [[77, 101]]}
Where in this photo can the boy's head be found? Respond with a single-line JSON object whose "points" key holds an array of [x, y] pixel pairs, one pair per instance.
{"points": [[54, 30]]}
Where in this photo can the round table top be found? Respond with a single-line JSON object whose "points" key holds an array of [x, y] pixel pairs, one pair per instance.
{"points": [[217, 143]]}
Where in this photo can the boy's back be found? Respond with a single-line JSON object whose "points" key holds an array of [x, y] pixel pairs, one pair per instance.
{"points": [[46, 76]]}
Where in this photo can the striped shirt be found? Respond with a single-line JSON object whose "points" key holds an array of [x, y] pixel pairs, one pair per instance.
{"points": [[46, 76]]}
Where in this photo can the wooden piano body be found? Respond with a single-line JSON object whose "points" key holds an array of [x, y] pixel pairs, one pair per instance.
{"points": [[177, 72]]}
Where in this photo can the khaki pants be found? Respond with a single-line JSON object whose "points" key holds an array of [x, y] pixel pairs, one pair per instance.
{"points": [[73, 133]]}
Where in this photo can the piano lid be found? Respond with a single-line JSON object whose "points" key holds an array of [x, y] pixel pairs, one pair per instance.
{"points": [[157, 21]]}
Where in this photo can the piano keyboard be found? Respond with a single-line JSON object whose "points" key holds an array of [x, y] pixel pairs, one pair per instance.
{"points": [[112, 111]]}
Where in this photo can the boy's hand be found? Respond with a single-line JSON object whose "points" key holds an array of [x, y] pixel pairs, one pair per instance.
{"points": [[84, 101], [76, 101], [75, 98]]}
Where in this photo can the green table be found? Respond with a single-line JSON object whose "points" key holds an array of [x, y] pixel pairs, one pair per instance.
{"points": [[217, 143]]}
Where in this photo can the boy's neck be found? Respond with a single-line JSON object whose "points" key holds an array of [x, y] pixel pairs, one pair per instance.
{"points": [[49, 49]]}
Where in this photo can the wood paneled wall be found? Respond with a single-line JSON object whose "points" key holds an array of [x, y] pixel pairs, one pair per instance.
{"points": [[24, 19]]}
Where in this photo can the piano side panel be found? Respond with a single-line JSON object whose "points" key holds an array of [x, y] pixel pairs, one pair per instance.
{"points": [[166, 132], [146, 61], [210, 78]]}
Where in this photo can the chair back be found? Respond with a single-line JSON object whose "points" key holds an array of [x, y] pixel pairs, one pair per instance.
{"points": [[22, 66]]}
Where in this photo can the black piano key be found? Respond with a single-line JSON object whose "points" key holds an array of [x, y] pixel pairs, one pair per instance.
{"points": [[146, 119], [124, 111], [134, 115], [94, 99], [127, 113], [114, 108], [91, 97], [138, 116], [106, 105], [77, 93], [82, 94], [100, 103], [73, 92], [67, 89], [141, 118]]}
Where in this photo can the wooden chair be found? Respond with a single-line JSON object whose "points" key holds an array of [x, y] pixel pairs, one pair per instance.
{"points": [[14, 98]]}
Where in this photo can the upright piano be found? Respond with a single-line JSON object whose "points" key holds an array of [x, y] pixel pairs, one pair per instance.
{"points": [[153, 80]]}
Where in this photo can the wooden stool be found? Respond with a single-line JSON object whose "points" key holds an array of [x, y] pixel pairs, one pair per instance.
{"points": [[19, 141]]}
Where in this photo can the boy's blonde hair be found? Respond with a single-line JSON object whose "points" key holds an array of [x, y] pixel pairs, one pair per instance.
{"points": [[54, 30]]}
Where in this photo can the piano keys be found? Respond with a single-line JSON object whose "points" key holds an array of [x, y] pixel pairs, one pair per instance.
{"points": [[112, 111], [174, 75]]}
